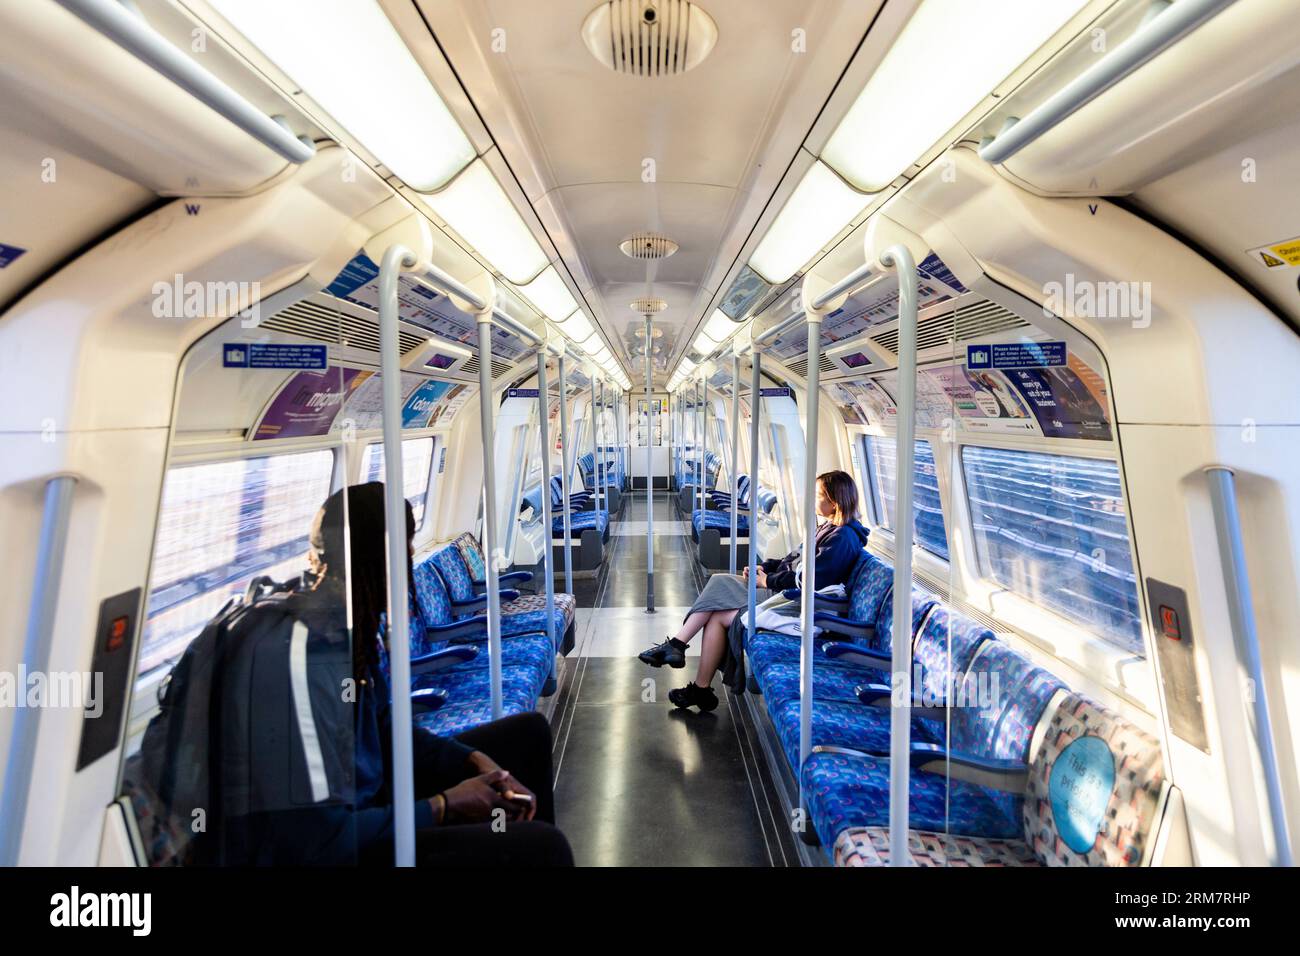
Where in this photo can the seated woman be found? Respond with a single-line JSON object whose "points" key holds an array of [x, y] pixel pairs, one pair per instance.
{"points": [[483, 798], [840, 540]]}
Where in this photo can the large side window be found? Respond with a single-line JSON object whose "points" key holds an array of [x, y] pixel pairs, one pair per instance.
{"points": [[417, 462], [1051, 528], [882, 462], [222, 524]]}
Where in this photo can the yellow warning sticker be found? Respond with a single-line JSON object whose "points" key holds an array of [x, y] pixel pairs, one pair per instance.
{"points": [[1278, 255]]}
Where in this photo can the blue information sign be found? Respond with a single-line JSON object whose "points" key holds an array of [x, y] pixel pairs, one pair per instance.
{"points": [[1016, 355], [521, 393], [782, 391], [274, 355]]}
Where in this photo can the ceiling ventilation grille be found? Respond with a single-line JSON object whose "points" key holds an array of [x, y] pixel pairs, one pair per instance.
{"points": [[320, 324], [647, 245], [972, 321], [800, 366], [649, 37], [499, 368]]}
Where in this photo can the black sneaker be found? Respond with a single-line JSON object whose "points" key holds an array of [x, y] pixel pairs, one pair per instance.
{"points": [[671, 652], [693, 696]]}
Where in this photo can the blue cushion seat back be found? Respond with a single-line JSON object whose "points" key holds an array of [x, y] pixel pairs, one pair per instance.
{"points": [[871, 582], [766, 500], [579, 521], [1002, 696], [431, 594], [943, 651], [532, 498], [455, 575], [469, 549], [921, 604]]}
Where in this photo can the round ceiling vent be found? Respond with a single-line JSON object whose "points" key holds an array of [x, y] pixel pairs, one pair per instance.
{"points": [[647, 245], [648, 306], [649, 37]]}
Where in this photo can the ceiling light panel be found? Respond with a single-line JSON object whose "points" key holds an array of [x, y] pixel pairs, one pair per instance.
{"points": [[347, 56]]}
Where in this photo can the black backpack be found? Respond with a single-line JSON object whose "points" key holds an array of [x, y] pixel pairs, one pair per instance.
{"points": [[175, 781]]}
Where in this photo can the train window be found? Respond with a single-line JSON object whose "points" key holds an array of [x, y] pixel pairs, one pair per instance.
{"points": [[882, 463], [1052, 529], [223, 523], [417, 462]]}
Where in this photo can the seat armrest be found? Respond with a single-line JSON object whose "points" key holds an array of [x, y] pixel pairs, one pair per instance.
{"points": [[857, 654], [1011, 776], [881, 695], [443, 659], [427, 699], [843, 625], [469, 629], [515, 577]]}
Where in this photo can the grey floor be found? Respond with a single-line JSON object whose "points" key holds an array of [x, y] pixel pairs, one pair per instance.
{"points": [[639, 783]]}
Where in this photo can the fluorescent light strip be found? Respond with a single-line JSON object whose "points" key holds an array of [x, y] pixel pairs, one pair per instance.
{"points": [[478, 209], [549, 293], [820, 206], [975, 46], [346, 55]]}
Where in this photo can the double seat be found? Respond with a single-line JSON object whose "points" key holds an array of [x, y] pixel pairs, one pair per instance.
{"points": [[688, 477], [451, 690], [608, 475], [711, 525], [588, 525], [1008, 765]]}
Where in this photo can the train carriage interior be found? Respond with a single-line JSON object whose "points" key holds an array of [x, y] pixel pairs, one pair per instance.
{"points": [[993, 307]]}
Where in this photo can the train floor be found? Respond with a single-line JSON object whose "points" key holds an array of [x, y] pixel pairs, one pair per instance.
{"points": [[639, 782]]}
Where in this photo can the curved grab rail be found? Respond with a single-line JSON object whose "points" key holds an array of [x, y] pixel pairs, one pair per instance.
{"points": [[133, 34]]}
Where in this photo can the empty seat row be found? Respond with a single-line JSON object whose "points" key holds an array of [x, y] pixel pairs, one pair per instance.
{"points": [[609, 475], [451, 691], [711, 526], [1009, 766], [687, 478], [588, 525]]}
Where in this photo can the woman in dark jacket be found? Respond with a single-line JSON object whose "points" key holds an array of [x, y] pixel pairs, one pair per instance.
{"points": [[483, 798], [840, 540]]}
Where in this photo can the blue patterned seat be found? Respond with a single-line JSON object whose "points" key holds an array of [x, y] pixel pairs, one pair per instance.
{"points": [[942, 654], [522, 614], [1110, 820], [719, 519], [997, 703], [580, 521]]}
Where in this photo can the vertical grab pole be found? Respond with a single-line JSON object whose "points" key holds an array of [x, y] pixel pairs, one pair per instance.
{"points": [[595, 453], [399, 628], [704, 438], [696, 418], [900, 720], [1241, 615], [598, 458], [566, 469], [51, 550], [809, 583], [543, 410], [754, 405], [735, 462], [490, 511], [649, 477]]}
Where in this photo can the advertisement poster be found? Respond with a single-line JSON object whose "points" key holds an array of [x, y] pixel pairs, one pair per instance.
{"points": [[845, 399], [364, 408], [1062, 403], [421, 404], [308, 403]]}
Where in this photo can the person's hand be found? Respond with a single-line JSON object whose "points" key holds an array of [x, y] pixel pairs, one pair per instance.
{"points": [[483, 764], [474, 800], [760, 577], [744, 572]]}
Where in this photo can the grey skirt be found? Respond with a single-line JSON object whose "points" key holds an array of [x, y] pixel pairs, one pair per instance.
{"points": [[726, 592]]}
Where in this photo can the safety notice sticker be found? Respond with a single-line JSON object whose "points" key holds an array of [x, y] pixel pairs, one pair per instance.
{"points": [[273, 355], [1278, 255]]}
